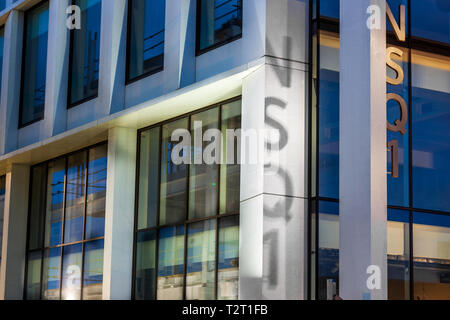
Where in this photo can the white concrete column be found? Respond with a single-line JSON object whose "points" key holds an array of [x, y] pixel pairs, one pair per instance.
{"points": [[57, 69], [12, 271], [119, 225], [113, 47], [273, 239], [363, 182], [10, 97]]}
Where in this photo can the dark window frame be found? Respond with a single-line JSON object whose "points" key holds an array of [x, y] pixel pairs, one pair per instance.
{"points": [[128, 79], [198, 51], [187, 222], [71, 105], [22, 67], [42, 248], [322, 23]]}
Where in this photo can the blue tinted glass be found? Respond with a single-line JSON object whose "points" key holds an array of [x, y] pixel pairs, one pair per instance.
{"points": [[398, 188], [398, 248], [71, 272], [96, 192], [431, 134], [431, 236], [329, 8], [35, 64], [329, 117], [146, 52], [93, 270], [328, 247], [145, 265], [220, 21], [2, 43], [395, 8], [75, 191], [431, 19], [2, 4], [55, 202], [86, 52]]}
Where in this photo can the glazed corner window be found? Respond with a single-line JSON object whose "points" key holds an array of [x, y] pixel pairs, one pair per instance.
{"points": [[187, 240], [66, 226], [34, 64], [220, 21], [146, 38], [85, 53]]}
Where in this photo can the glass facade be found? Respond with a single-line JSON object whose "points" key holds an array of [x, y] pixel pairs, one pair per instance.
{"points": [[2, 45], [2, 208], [146, 37], [85, 53], [66, 227], [34, 64], [421, 185], [220, 21], [187, 240]]}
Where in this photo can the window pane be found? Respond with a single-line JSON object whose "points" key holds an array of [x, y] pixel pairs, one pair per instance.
{"points": [[431, 19], [71, 279], [96, 192], [328, 250], [170, 263], [2, 4], [75, 192], [228, 259], [203, 181], [2, 43], [2, 209], [173, 177], [398, 188], [148, 18], [145, 265], [86, 52], [329, 8], [34, 275], [395, 8], [398, 255], [201, 255], [230, 170], [220, 21], [51, 274], [431, 134], [431, 256], [35, 64], [148, 178], [55, 202], [93, 270], [37, 210], [329, 116]]}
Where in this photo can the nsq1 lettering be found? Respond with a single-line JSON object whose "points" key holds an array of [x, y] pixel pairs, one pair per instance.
{"points": [[399, 125]]}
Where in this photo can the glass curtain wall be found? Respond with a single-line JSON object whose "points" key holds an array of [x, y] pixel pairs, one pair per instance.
{"points": [[146, 37], [187, 240], [422, 186], [66, 227], [219, 22], [34, 64], [85, 53]]}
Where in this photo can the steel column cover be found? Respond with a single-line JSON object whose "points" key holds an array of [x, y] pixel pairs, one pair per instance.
{"points": [[363, 182]]}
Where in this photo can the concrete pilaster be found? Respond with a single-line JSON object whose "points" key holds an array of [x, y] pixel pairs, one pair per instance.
{"points": [[119, 215], [12, 270], [363, 182]]}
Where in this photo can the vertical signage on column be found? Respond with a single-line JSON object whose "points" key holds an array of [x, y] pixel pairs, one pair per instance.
{"points": [[399, 125]]}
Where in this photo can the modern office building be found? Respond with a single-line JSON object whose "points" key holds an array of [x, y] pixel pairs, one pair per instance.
{"points": [[335, 179]]}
